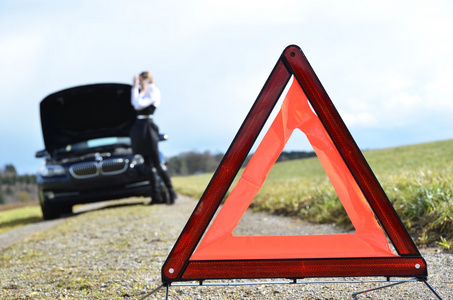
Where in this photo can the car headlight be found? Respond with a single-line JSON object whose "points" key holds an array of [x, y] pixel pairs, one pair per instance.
{"points": [[137, 160], [51, 170]]}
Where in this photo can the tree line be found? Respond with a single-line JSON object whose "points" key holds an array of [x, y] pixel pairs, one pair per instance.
{"points": [[193, 162], [184, 164], [9, 179]]}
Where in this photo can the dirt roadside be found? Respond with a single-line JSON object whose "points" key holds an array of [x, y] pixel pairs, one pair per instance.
{"points": [[116, 252], [22, 233]]}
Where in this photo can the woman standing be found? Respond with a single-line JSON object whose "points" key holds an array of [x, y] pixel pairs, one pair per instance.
{"points": [[145, 98]]}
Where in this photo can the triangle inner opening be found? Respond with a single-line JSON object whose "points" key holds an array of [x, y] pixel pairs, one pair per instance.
{"points": [[297, 198]]}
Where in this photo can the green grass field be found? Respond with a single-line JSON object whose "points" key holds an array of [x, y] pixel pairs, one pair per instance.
{"points": [[418, 180], [17, 217]]}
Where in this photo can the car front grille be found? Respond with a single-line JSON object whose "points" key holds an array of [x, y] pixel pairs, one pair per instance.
{"points": [[91, 169], [114, 166], [84, 170]]}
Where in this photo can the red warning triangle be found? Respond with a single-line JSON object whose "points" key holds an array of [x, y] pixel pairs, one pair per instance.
{"points": [[203, 253]]}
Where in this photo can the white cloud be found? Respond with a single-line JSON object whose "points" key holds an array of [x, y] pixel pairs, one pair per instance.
{"points": [[360, 119], [391, 82]]}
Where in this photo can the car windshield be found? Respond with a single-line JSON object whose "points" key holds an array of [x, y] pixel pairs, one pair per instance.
{"points": [[94, 145]]}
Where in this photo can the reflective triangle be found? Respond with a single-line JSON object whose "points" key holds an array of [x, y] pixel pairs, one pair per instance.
{"points": [[201, 253]]}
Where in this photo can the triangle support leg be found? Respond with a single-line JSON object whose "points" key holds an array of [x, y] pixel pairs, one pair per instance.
{"points": [[155, 291], [354, 296], [432, 289]]}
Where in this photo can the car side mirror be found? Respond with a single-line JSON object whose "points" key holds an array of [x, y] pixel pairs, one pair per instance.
{"points": [[163, 137], [41, 153]]}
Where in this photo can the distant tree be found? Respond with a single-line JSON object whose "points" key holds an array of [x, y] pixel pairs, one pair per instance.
{"points": [[27, 179], [212, 161], [31, 179], [10, 170], [8, 174], [8, 190], [177, 165], [193, 162], [9, 180], [12, 184], [295, 155]]}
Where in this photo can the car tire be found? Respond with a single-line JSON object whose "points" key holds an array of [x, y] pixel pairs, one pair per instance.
{"points": [[50, 212], [164, 193]]}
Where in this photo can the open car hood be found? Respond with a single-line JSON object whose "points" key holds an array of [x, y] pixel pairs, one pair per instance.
{"points": [[86, 112]]}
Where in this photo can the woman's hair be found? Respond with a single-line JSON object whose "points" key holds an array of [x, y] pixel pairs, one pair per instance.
{"points": [[145, 75]]}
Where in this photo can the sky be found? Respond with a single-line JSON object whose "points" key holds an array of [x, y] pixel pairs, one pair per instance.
{"points": [[386, 65]]}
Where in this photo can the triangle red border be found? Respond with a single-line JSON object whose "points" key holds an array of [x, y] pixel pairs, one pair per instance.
{"points": [[179, 267]]}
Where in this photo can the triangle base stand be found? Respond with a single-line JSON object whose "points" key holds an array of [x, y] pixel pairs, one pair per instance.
{"points": [[388, 283]]}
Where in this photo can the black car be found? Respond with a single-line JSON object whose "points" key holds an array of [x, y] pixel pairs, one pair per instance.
{"points": [[88, 157]]}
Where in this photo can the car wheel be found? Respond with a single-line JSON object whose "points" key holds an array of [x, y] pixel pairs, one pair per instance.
{"points": [[50, 212], [165, 195]]}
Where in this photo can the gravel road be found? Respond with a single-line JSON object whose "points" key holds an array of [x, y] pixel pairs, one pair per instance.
{"points": [[116, 250]]}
